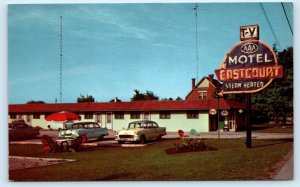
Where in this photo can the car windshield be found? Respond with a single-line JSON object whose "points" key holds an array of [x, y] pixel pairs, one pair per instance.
{"points": [[85, 126], [21, 126], [77, 126], [136, 125]]}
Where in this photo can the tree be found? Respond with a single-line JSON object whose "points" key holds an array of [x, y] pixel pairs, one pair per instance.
{"points": [[138, 96], [150, 96], [277, 99], [35, 102], [178, 98], [167, 99], [85, 99]]}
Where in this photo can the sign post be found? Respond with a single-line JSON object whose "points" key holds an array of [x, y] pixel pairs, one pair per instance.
{"points": [[248, 67], [248, 124]]}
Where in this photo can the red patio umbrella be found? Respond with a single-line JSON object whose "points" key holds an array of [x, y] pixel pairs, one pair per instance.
{"points": [[62, 116]]}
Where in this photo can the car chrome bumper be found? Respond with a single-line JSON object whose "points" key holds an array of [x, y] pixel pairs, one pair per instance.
{"points": [[134, 139]]}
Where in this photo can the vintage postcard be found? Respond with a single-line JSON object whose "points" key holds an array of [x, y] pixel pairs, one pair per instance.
{"points": [[150, 91]]}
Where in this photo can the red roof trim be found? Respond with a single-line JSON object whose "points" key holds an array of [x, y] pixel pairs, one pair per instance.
{"points": [[129, 106]]}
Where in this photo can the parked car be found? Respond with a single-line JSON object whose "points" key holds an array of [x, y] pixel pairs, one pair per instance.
{"points": [[92, 130], [19, 130], [141, 131]]}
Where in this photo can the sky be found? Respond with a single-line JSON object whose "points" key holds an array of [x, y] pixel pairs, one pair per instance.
{"points": [[109, 50]]}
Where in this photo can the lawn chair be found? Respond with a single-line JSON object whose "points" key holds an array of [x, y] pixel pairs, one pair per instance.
{"points": [[181, 133], [195, 134], [197, 143], [78, 143], [184, 142], [49, 145]]}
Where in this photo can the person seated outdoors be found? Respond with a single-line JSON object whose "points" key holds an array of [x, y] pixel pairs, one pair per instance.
{"points": [[49, 127]]}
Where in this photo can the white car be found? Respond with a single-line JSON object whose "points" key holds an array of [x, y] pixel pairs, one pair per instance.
{"points": [[141, 131]]}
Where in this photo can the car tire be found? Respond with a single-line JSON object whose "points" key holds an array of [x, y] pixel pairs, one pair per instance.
{"points": [[142, 139], [159, 138]]}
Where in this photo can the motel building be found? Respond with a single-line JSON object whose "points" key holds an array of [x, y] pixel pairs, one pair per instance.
{"points": [[191, 113]]}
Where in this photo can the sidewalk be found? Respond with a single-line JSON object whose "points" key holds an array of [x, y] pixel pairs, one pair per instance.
{"points": [[225, 135], [287, 171]]}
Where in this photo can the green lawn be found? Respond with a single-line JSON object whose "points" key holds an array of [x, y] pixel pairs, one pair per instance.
{"points": [[272, 129], [232, 161]]}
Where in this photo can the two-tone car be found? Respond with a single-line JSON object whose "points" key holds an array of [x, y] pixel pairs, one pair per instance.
{"points": [[92, 130], [141, 131]]}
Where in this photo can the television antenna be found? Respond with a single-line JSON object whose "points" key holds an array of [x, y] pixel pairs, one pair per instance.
{"points": [[196, 25], [61, 59]]}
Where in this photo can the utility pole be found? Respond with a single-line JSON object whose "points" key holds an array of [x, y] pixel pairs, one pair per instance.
{"points": [[248, 124]]}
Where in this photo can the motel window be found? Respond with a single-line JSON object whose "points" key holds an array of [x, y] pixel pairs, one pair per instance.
{"points": [[13, 116], [192, 115], [119, 115], [88, 115], [203, 95], [135, 115], [36, 116], [165, 115]]}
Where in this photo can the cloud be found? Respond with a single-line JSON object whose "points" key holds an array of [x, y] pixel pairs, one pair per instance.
{"points": [[103, 17]]}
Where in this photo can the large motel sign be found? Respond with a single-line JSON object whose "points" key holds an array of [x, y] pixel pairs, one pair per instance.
{"points": [[248, 67]]}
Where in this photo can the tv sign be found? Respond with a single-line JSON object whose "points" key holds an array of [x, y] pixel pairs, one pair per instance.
{"points": [[250, 32]]}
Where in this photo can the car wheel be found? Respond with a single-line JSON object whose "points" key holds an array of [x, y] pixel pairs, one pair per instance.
{"points": [[142, 139], [120, 142], [159, 137]]}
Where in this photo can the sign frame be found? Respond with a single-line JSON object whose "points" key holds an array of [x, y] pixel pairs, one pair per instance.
{"points": [[213, 111], [256, 37], [224, 112], [223, 66]]}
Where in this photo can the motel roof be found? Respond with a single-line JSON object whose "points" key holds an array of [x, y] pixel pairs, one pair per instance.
{"points": [[128, 106]]}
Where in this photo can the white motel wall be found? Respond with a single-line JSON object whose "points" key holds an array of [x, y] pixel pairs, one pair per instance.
{"points": [[177, 120]]}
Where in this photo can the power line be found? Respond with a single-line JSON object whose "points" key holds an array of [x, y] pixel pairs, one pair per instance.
{"points": [[287, 18], [269, 23], [290, 11], [196, 24]]}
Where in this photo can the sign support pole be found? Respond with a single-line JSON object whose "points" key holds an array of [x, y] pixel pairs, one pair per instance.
{"points": [[248, 123], [218, 117]]}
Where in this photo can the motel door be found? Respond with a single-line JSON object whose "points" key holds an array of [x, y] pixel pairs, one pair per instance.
{"points": [[146, 116], [98, 118], [109, 120], [231, 122], [28, 119]]}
